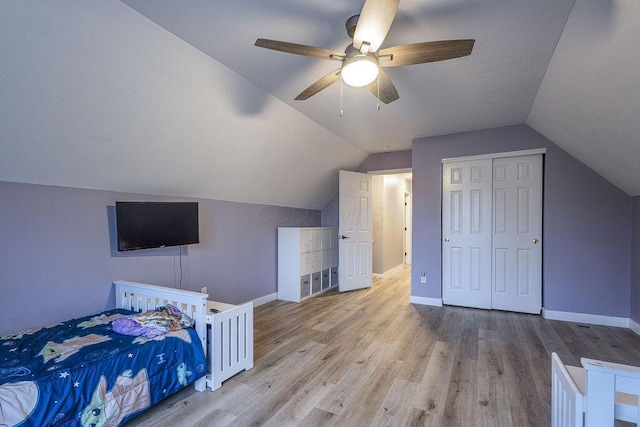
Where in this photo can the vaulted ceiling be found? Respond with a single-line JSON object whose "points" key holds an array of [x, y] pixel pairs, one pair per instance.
{"points": [[571, 71], [172, 97]]}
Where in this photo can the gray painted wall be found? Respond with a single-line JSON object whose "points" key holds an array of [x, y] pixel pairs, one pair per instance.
{"points": [[587, 222], [386, 161], [635, 262], [59, 258], [330, 213]]}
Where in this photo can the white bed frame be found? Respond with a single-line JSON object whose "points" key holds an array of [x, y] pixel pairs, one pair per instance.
{"points": [[594, 395], [229, 351], [230, 338]]}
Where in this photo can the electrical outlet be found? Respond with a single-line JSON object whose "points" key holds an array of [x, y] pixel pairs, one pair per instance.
{"points": [[423, 277]]}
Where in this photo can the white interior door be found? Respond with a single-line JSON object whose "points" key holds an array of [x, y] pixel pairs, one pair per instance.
{"points": [[355, 231], [466, 232], [517, 234]]}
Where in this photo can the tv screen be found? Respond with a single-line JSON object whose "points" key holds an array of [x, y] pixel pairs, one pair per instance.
{"points": [[144, 225]]}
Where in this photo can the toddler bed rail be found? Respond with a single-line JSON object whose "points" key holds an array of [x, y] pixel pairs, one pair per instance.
{"points": [[226, 330], [566, 398], [230, 341], [594, 395]]}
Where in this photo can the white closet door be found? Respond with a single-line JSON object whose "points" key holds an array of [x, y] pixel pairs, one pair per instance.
{"points": [[517, 234], [466, 232]]}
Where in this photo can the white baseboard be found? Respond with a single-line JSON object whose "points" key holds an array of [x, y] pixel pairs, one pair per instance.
{"points": [[592, 319], [436, 302], [389, 272], [265, 299], [634, 326], [393, 270]]}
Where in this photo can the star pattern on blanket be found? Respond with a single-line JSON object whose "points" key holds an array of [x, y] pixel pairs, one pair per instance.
{"points": [[54, 388]]}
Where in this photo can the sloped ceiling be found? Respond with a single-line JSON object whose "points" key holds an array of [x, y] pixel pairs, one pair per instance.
{"points": [[589, 100], [494, 86], [171, 97], [94, 95], [584, 95]]}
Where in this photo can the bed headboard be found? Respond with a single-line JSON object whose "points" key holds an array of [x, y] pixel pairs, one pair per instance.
{"points": [[142, 297]]}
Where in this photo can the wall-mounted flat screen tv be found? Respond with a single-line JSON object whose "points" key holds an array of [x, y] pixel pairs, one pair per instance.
{"points": [[145, 225]]}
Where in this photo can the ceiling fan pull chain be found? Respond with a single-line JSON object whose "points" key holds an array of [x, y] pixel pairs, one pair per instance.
{"points": [[341, 112], [378, 92]]}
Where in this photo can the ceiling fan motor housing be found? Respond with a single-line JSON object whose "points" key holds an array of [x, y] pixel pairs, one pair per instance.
{"points": [[351, 51], [351, 25]]}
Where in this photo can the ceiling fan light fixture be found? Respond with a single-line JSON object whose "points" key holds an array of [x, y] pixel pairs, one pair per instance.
{"points": [[362, 58], [360, 70]]}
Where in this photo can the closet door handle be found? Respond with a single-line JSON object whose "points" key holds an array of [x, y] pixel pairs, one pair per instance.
{"points": [[344, 237], [446, 240], [536, 241]]}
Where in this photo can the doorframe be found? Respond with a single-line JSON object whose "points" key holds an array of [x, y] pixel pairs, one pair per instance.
{"points": [[494, 156], [407, 237], [390, 171]]}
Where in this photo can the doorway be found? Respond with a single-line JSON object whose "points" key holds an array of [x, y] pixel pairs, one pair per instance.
{"points": [[391, 196]]}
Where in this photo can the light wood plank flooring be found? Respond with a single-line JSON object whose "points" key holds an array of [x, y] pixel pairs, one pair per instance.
{"points": [[370, 358]]}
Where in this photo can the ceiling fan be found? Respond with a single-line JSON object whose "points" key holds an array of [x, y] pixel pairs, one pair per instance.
{"points": [[362, 60]]}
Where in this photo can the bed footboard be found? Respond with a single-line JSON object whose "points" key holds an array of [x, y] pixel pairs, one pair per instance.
{"points": [[230, 342], [613, 392], [566, 398], [142, 297], [595, 395]]}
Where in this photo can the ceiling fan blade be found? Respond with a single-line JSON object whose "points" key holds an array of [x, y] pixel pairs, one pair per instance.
{"points": [[420, 53], [388, 92], [319, 85], [374, 23], [300, 49]]}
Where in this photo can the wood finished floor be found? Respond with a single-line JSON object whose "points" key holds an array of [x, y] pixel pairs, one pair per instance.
{"points": [[370, 358]]}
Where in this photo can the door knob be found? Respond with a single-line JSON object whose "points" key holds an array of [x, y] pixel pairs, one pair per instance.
{"points": [[535, 241], [344, 237], [446, 240]]}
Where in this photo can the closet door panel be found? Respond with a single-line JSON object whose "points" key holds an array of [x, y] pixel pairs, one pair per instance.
{"points": [[517, 234], [466, 233]]}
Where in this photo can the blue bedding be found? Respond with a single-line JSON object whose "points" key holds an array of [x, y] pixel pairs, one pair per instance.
{"points": [[81, 372]]}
